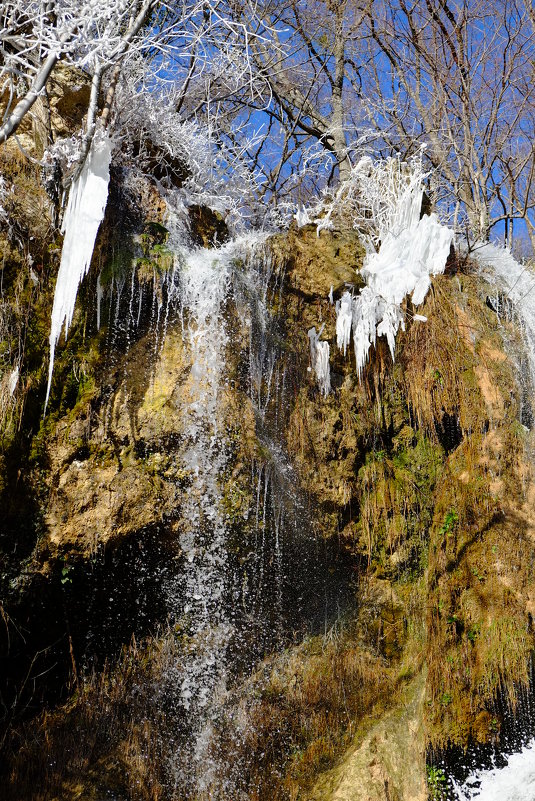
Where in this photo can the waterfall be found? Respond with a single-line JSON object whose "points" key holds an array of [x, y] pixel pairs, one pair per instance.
{"points": [[229, 602], [204, 283], [197, 594]]}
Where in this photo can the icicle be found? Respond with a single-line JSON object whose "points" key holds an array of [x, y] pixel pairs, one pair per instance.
{"points": [[519, 283], [319, 357], [100, 295], [13, 381], [344, 318], [85, 210], [366, 312], [411, 251]]}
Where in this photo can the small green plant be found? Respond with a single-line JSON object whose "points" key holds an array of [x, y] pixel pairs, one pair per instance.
{"points": [[450, 520], [473, 633], [437, 378], [436, 783], [446, 699], [65, 573]]}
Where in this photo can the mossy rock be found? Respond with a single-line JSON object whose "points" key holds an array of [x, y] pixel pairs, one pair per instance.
{"points": [[316, 262]]}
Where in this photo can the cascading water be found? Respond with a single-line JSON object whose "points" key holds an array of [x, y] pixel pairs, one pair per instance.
{"points": [[514, 782], [204, 283], [231, 597]]}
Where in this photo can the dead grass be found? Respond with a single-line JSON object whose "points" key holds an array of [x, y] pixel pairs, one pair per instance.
{"points": [[275, 731]]}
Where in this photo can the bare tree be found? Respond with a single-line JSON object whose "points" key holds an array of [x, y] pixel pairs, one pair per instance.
{"points": [[36, 36], [148, 44], [457, 77], [303, 90]]}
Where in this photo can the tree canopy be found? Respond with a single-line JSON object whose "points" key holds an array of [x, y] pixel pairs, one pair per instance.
{"points": [[293, 93]]}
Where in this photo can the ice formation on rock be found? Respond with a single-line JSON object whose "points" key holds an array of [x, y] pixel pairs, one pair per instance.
{"points": [[412, 250], [85, 210], [13, 381], [319, 358], [519, 283], [514, 782]]}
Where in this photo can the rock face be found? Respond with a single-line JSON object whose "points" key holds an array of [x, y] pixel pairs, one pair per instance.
{"points": [[315, 262], [388, 764], [54, 115], [420, 476]]}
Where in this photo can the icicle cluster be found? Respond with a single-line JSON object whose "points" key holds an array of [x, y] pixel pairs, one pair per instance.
{"points": [[411, 251], [85, 211], [319, 358]]}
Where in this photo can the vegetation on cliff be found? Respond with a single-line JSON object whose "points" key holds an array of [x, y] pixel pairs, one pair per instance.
{"points": [[409, 487]]}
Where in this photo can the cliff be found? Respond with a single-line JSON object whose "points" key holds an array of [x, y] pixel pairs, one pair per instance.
{"points": [[409, 491]]}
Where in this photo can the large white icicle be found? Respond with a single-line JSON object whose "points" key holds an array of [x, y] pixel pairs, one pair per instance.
{"points": [[411, 251], [85, 210]]}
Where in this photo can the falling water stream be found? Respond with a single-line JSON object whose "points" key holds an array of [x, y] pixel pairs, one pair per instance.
{"points": [[204, 284], [232, 602], [513, 782]]}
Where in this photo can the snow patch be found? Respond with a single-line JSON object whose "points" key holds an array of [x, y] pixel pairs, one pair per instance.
{"points": [[85, 210], [514, 782]]}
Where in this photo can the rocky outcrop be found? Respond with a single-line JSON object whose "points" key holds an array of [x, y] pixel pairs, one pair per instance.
{"points": [[421, 473], [387, 763], [316, 261]]}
